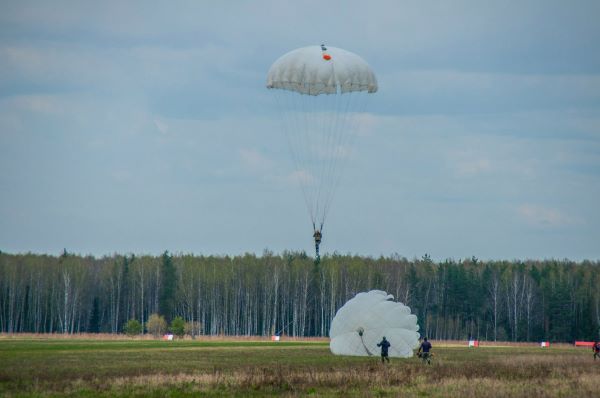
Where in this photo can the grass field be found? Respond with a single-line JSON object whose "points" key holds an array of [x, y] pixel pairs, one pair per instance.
{"points": [[107, 368]]}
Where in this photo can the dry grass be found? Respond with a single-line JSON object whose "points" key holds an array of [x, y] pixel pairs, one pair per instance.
{"points": [[250, 368], [361, 380], [489, 344]]}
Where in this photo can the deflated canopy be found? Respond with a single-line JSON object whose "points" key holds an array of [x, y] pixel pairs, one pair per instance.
{"points": [[363, 321], [318, 70]]}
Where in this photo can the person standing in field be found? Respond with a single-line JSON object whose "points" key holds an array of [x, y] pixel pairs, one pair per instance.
{"points": [[424, 351], [596, 348], [384, 350]]}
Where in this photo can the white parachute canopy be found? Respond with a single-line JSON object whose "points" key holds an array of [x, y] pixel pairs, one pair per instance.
{"points": [[318, 70], [364, 320], [321, 94]]}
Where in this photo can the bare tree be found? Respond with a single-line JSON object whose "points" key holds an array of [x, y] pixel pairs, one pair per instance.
{"points": [[494, 292]]}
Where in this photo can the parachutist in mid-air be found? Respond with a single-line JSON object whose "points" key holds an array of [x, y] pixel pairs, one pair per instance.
{"points": [[306, 81], [318, 236]]}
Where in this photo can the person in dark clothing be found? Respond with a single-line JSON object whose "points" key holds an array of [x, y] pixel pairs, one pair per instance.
{"points": [[318, 236], [596, 348], [424, 351], [384, 349]]}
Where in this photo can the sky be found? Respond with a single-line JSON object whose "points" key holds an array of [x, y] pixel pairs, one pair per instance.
{"points": [[141, 126]]}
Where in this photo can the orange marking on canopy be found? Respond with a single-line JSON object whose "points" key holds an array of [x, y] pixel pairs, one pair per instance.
{"points": [[326, 57]]}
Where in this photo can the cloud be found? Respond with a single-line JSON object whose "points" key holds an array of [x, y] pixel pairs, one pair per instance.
{"points": [[468, 163], [365, 123], [327, 153], [162, 126], [37, 104], [472, 167], [301, 177], [254, 161], [122, 176], [540, 215], [466, 92]]}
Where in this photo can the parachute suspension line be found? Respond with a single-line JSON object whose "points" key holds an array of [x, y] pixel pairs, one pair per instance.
{"points": [[289, 119], [305, 173], [300, 133], [338, 134], [329, 126], [365, 346], [352, 120], [328, 137], [319, 149], [324, 145], [341, 136], [360, 332], [318, 107], [310, 133], [302, 140], [320, 131], [327, 113]]}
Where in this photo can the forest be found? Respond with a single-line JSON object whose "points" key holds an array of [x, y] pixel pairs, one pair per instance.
{"points": [[288, 293]]}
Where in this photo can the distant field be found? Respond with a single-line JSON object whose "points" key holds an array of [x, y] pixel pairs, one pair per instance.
{"points": [[33, 366]]}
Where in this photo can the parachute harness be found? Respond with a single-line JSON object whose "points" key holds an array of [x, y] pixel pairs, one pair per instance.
{"points": [[318, 235]]}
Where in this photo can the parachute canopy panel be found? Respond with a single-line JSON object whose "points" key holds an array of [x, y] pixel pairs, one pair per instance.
{"points": [[314, 70], [364, 320]]}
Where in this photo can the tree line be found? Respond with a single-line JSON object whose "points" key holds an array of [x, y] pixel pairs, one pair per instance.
{"points": [[533, 300]]}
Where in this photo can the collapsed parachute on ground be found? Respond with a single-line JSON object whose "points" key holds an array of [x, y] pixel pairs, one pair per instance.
{"points": [[321, 95], [364, 320]]}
